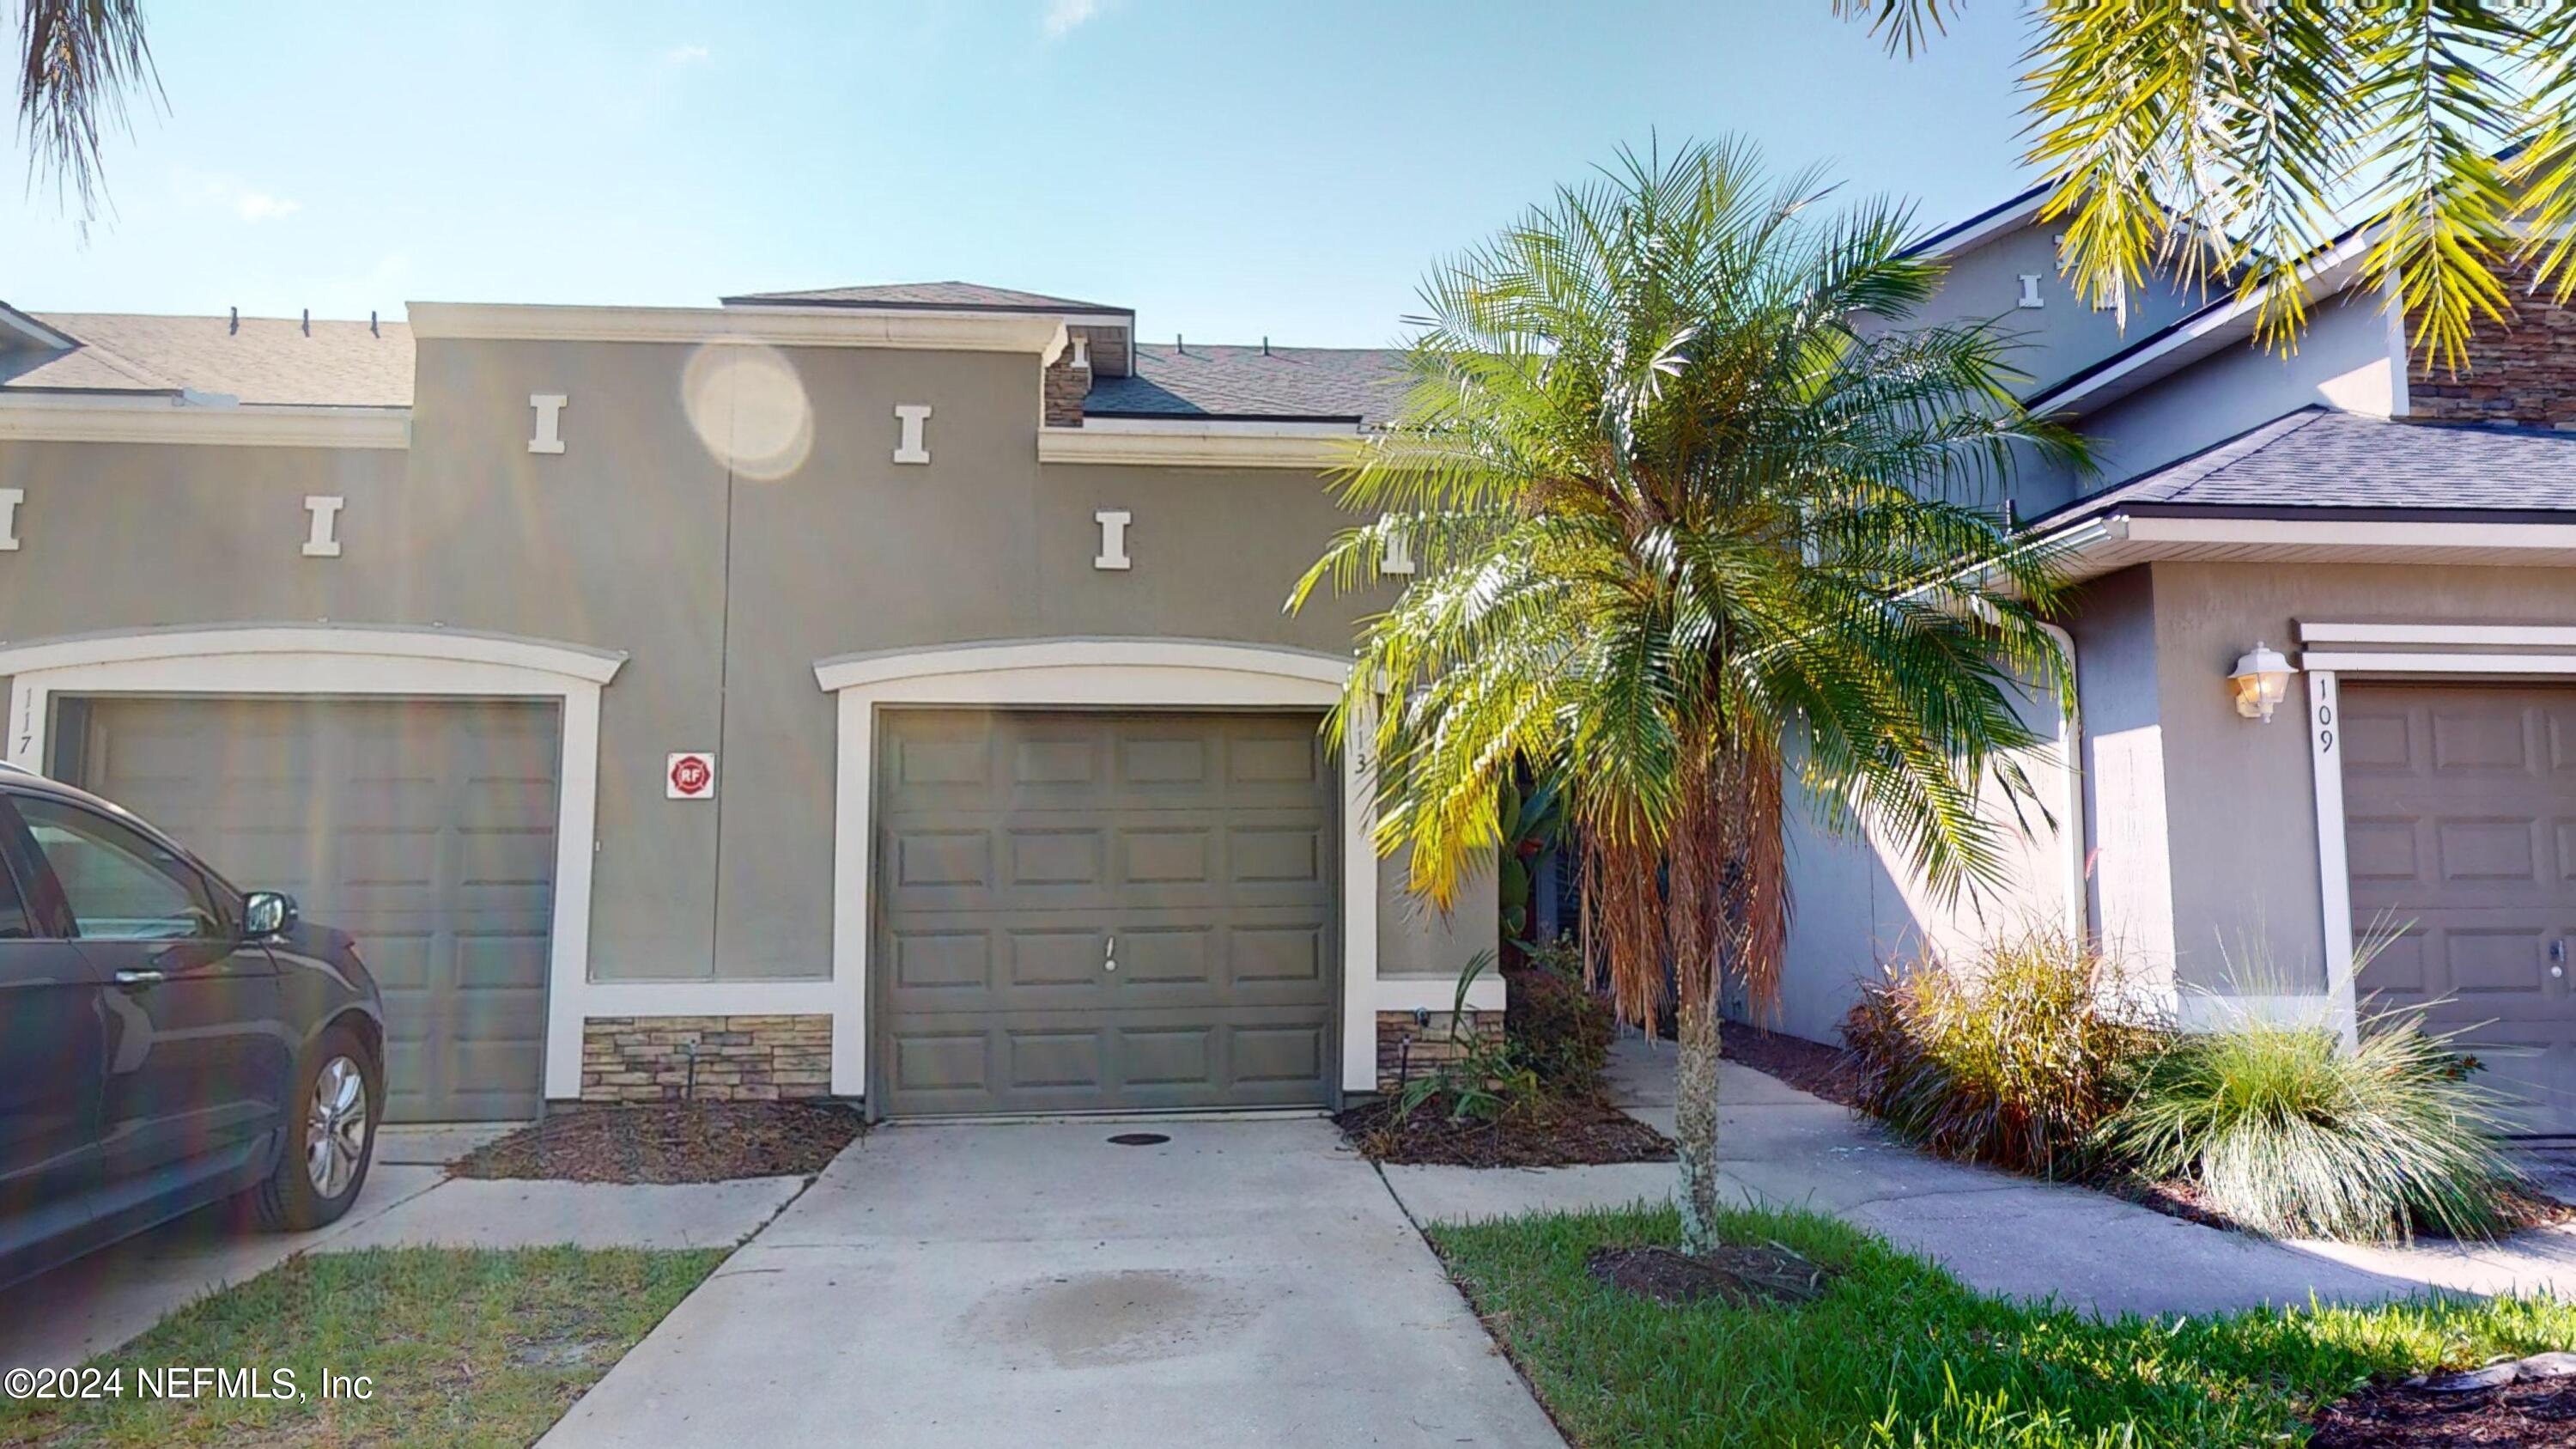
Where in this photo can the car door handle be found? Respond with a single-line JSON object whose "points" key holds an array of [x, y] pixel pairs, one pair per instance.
{"points": [[140, 976]]}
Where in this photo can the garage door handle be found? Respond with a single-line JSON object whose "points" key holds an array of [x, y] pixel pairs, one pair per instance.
{"points": [[140, 976], [1109, 955]]}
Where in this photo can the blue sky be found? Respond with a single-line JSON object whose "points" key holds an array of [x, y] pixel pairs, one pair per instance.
{"points": [[1230, 169]]}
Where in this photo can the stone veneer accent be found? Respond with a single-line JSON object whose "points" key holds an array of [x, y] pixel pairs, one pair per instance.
{"points": [[1432, 1043], [740, 1058], [2524, 373], [1064, 388], [1064, 385]]}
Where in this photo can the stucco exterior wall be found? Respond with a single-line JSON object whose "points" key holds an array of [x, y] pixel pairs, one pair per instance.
{"points": [[724, 589], [1858, 907], [2345, 360], [2063, 335], [2242, 801]]}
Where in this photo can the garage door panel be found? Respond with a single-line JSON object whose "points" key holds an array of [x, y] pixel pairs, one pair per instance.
{"points": [[1199, 843], [1161, 958], [1277, 1054], [942, 960], [2381, 849], [1280, 956], [932, 1063], [512, 959], [1052, 958], [2490, 850], [1167, 855], [425, 828], [1052, 1060], [1161, 761], [1064, 855], [2459, 826]]}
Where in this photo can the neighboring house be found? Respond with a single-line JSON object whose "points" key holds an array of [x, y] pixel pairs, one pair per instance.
{"points": [[2409, 544], [879, 691]]}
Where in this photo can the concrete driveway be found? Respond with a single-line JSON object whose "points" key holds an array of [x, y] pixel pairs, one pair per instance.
{"points": [[1245, 1283]]}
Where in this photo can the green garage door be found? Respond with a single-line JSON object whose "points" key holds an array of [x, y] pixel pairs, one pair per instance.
{"points": [[426, 829], [1096, 912]]}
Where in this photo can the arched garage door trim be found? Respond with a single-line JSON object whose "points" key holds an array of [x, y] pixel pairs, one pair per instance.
{"points": [[1083, 673], [336, 659]]}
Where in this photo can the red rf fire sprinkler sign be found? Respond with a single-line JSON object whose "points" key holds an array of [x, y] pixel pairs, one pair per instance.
{"points": [[692, 775]]}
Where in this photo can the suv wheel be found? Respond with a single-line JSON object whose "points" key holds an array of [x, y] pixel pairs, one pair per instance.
{"points": [[331, 1138]]}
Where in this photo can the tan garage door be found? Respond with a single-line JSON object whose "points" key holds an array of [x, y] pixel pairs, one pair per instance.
{"points": [[425, 828], [1096, 912], [2460, 826]]}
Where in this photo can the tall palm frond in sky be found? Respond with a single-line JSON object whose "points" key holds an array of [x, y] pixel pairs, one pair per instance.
{"points": [[1706, 529], [2230, 139], [79, 60]]}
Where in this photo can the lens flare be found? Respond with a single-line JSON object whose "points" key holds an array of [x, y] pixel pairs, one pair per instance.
{"points": [[749, 407]]}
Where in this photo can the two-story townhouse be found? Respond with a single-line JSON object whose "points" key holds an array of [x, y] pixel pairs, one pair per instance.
{"points": [[882, 692], [2406, 544]]}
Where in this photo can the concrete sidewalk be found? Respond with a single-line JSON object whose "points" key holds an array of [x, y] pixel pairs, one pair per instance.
{"points": [[107, 1299], [1998, 1233], [1244, 1283]]}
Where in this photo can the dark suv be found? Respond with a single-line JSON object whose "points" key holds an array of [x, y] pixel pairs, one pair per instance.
{"points": [[166, 1041]]}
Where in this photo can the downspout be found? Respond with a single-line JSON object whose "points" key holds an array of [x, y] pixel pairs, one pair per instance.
{"points": [[2070, 751]]}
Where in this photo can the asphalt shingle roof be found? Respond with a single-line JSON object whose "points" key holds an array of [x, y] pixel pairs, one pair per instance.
{"points": [[953, 296], [1216, 381], [2318, 458], [269, 360]]}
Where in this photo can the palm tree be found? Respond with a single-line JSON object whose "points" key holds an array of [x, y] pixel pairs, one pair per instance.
{"points": [[1689, 529], [2231, 138], [78, 59]]}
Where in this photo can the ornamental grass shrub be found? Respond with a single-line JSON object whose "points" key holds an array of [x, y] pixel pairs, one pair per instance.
{"points": [[2286, 1132], [2013, 1058]]}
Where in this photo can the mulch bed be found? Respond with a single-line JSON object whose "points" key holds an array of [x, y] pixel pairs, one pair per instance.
{"points": [[1580, 1132], [675, 1142], [1743, 1276], [2183, 1199], [2409, 1416], [1811, 1067]]}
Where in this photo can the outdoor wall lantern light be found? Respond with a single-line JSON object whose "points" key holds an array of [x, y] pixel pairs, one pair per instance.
{"points": [[2262, 681]]}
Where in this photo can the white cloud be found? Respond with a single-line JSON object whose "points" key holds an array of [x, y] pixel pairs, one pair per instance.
{"points": [[687, 55], [1063, 16], [249, 203], [260, 206]]}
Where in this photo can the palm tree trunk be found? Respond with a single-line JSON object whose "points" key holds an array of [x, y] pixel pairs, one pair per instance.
{"points": [[1695, 1123]]}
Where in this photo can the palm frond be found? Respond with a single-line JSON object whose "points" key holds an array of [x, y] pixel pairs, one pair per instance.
{"points": [[1698, 512], [79, 60]]}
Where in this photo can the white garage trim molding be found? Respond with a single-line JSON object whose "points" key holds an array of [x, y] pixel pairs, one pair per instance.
{"points": [[2391, 651], [359, 659], [1114, 674]]}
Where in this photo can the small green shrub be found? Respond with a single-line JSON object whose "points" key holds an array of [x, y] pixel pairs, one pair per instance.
{"points": [[2013, 1058], [1485, 1078], [2288, 1133], [1559, 1028]]}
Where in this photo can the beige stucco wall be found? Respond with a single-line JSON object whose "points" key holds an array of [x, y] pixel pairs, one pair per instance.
{"points": [[723, 590], [2201, 836], [1858, 907], [2241, 795], [2345, 360]]}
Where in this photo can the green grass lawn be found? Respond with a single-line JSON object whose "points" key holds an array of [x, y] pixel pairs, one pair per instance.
{"points": [[1898, 1354], [463, 1348]]}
